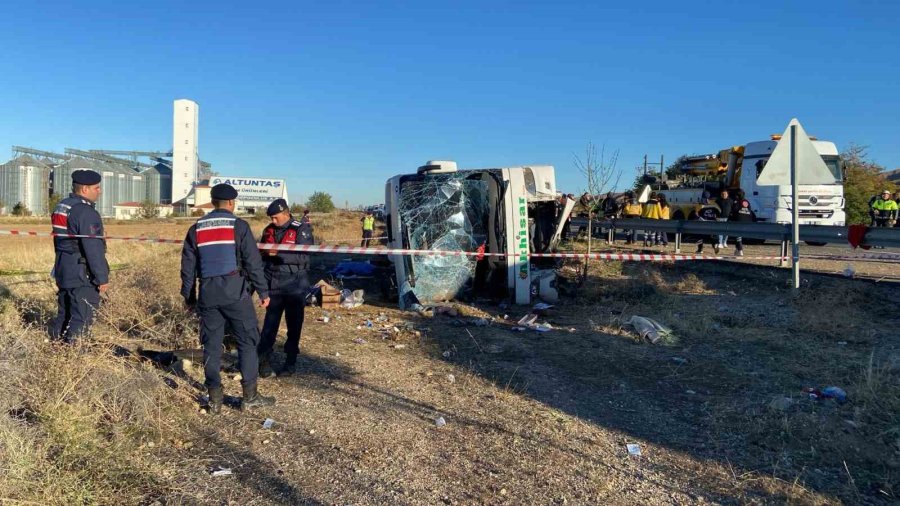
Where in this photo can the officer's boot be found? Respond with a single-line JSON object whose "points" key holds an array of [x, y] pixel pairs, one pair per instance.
{"points": [[265, 366], [290, 366], [252, 399], [216, 397]]}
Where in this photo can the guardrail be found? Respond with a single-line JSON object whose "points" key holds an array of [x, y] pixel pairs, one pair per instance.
{"points": [[884, 237]]}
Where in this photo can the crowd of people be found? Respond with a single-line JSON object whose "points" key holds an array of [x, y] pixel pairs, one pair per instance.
{"points": [[884, 210], [723, 208], [221, 268]]}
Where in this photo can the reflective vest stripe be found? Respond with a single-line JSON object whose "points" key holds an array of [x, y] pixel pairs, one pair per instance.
{"points": [[217, 235]]}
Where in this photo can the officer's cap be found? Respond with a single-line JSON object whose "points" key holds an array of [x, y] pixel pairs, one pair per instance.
{"points": [[279, 205], [223, 191], [85, 176]]}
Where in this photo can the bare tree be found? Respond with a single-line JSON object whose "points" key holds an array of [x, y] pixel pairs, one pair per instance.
{"points": [[599, 171]]}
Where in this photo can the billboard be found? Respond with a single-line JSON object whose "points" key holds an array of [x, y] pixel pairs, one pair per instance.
{"points": [[254, 190]]}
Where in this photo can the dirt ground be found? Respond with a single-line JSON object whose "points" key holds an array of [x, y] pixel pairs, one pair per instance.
{"points": [[544, 417]]}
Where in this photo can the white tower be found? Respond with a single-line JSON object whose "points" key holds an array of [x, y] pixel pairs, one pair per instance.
{"points": [[185, 156]]}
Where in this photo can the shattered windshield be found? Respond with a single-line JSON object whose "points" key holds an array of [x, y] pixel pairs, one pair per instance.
{"points": [[446, 212]]}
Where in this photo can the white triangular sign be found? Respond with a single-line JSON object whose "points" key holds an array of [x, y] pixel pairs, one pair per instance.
{"points": [[811, 168]]}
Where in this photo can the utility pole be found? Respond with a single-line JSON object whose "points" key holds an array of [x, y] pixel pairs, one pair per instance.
{"points": [[795, 214]]}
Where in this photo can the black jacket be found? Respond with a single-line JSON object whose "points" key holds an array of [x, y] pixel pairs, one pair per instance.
{"points": [[81, 261], [286, 272]]}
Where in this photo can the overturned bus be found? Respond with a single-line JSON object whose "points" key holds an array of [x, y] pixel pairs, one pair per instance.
{"points": [[513, 212]]}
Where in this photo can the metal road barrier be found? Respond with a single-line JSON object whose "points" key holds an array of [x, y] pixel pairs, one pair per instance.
{"points": [[816, 234]]}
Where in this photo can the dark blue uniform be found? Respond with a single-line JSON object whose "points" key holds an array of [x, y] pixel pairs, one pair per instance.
{"points": [[220, 250], [80, 266], [288, 282]]}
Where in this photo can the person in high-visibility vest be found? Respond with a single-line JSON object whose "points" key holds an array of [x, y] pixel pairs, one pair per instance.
{"points": [[885, 210], [663, 212], [631, 210], [368, 226], [650, 211]]}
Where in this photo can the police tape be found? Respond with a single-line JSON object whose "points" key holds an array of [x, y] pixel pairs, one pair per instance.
{"points": [[345, 250], [303, 248]]}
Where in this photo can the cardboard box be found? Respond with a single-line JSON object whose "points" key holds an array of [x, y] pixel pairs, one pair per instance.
{"points": [[330, 297]]}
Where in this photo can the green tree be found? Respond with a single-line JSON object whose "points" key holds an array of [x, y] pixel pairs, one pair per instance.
{"points": [[20, 210], [674, 169], [148, 210], [296, 209], [864, 179], [320, 202], [53, 201]]}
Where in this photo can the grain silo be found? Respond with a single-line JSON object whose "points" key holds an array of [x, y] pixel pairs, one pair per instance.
{"points": [[152, 188], [25, 180], [110, 184]]}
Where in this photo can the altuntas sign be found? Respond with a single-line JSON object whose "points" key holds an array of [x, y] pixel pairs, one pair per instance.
{"points": [[254, 189]]}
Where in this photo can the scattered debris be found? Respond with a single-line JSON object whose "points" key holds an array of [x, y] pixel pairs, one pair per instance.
{"points": [[781, 403], [451, 378], [447, 354], [398, 346], [351, 300], [541, 308], [649, 329], [440, 422], [679, 360], [268, 423], [359, 340], [836, 393], [831, 392], [690, 392], [849, 271], [633, 449], [527, 320], [445, 310], [221, 471], [349, 269], [493, 349]]}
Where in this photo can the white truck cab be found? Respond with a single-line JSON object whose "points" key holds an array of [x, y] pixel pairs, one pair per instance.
{"points": [[821, 204]]}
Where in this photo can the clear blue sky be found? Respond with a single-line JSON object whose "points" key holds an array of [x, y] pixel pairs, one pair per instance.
{"points": [[339, 96]]}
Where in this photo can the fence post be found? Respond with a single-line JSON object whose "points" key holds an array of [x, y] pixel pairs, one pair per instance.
{"points": [[784, 253], [678, 243]]}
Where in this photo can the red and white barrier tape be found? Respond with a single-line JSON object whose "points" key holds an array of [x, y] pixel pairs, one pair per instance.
{"points": [[640, 257], [632, 257]]}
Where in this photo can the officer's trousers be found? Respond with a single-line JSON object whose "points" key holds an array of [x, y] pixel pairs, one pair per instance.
{"points": [[241, 317], [75, 312], [293, 306]]}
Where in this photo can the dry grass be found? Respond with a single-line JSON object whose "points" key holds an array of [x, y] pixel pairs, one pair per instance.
{"points": [[532, 418]]}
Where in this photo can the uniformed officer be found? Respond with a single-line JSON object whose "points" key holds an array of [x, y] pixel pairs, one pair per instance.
{"points": [[220, 250], [80, 269], [286, 274]]}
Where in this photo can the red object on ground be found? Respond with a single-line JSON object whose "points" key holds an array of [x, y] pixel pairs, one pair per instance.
{"points": [[856, 235]]}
